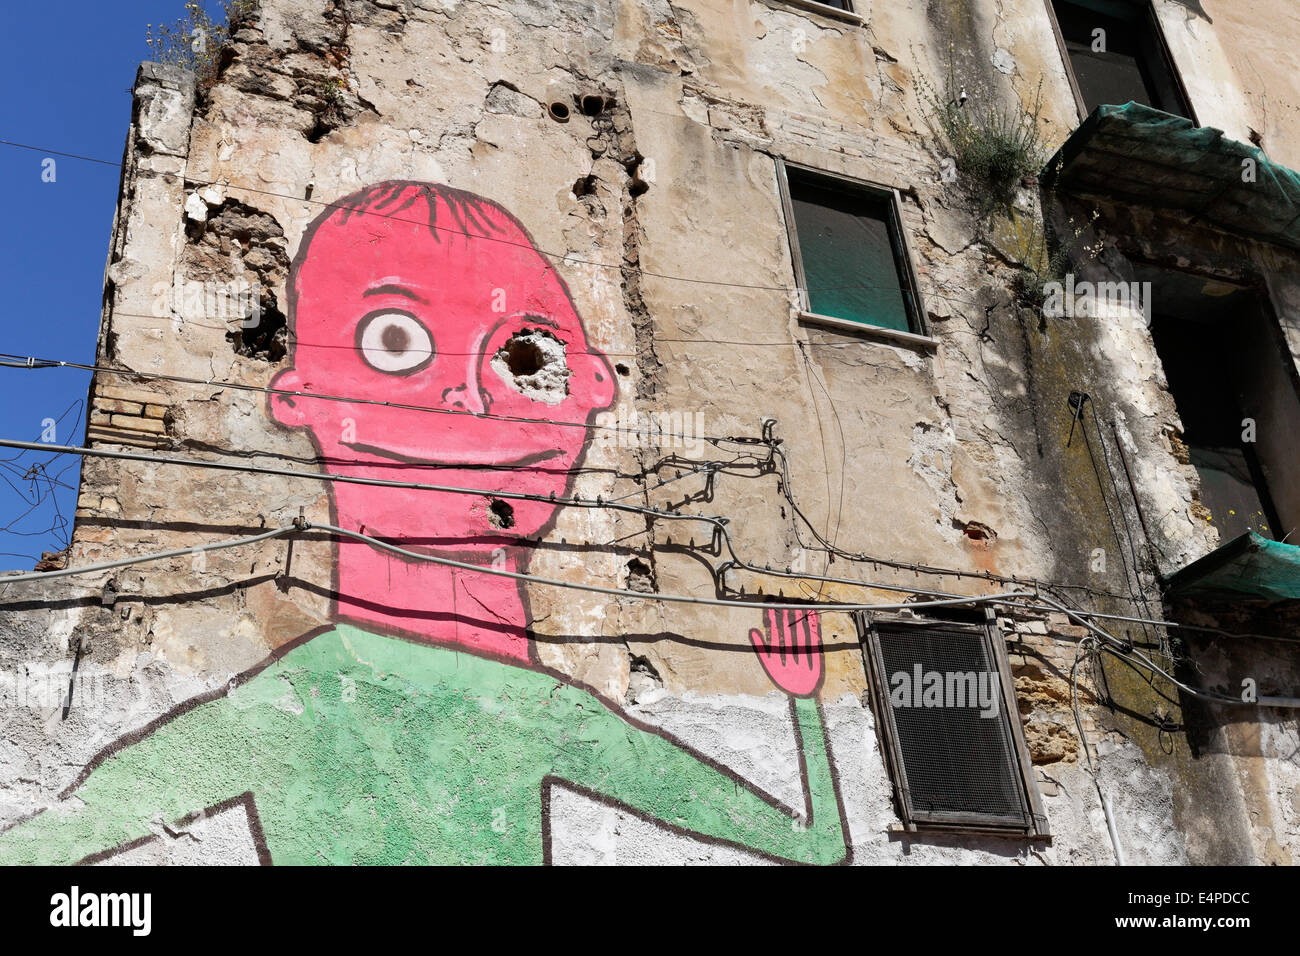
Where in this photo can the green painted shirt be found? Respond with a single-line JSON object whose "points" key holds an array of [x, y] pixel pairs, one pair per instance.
{"points": [[360, 748]]}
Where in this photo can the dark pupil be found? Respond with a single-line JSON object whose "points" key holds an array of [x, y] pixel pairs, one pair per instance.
{"points": [[395, 339]]}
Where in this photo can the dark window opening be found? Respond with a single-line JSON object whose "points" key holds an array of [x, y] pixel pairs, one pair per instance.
{"points": [[837, 4], [1235, 390], [949, 725], [1125, 61], [849, 252]]}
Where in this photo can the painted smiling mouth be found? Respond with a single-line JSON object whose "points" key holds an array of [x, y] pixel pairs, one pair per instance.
{"points": [[533, 459]]}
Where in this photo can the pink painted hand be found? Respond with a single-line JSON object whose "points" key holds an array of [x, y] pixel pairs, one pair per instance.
{"points": [[791, 651]]}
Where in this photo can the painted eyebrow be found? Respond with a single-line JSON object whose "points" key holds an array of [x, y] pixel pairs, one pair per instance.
{"points": [[394, 290], [544, 320]]}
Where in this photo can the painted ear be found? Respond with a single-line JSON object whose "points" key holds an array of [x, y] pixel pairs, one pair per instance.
{"points": [[603, 387], [286, 409]]}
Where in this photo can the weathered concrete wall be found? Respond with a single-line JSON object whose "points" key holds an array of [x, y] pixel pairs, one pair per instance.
{"points": [[662, 222]]}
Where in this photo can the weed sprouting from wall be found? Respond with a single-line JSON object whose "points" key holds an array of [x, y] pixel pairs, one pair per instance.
{"points": [[993, 147], [994, 152], [1045, 254], [195, 41]]}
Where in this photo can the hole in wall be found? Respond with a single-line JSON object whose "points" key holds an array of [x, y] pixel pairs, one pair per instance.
{"points": [[976, 530], [267, 336], [523, 356], [500, 513], [644, 684], [533, 363], [558, 111], [633, 167], [235, 260], [640, 576]]}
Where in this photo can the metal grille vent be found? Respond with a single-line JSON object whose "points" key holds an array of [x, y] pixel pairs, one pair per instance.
{"points": [[957, 765]]}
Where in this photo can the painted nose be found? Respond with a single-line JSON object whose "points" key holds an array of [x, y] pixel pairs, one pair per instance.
{"points": [[464, 398]]}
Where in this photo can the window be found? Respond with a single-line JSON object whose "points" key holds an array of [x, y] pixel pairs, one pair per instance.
{"points": [[845, 5], [1114, 52], [1230, 376], [850, 255], [949, 725]]}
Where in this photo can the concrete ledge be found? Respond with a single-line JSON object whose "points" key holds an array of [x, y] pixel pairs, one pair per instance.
{"points": [[890, 336], [812, 6]]}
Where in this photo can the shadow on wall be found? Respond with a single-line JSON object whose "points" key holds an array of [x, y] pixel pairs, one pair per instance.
{"points": [[1194, 7]]}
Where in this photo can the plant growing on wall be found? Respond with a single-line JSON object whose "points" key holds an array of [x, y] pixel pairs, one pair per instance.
{"points": [[1044, 255], [993, 147], [195, 41], [994, 150]]}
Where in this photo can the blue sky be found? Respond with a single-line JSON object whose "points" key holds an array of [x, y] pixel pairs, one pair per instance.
{"points": [[72, 96]]}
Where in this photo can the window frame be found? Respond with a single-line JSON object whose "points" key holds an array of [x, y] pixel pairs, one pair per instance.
{"points": [[1034, 824], [918, 331], [1148, 10], [849, 15]]}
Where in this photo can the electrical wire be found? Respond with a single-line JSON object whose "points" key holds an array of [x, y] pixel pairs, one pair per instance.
{"points": [[598, 502], [43, 487], [784, 488], [19, 361], [11, 360], [302, 526], [1092, 768], [735, 562], [141, 559], [1134, 597], [564, 257], [719, 523]]}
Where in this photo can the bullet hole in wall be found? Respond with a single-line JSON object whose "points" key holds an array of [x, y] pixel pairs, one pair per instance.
{"points": [[640, 576], [533, 363], [500, 514], [633, 167], [622, 368], [558, 111], [584, 186], [523, 356]]}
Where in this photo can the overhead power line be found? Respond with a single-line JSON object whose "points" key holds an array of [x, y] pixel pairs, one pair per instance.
{"points": [[302, 526], [10, 360], [564, 257], [720, 523], [1111, 644], [13, 360], [598, 502]]}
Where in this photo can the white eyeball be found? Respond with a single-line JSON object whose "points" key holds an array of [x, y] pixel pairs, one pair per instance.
{"points": [[394, 342]]}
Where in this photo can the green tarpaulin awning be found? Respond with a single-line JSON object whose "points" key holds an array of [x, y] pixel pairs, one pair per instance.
{"points": [[1157, 160], [1249, 567]]}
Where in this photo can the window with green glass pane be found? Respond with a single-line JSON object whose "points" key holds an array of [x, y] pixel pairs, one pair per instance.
{"points": [[850, 252]]}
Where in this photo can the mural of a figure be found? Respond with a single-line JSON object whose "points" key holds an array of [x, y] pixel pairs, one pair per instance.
{"points": [[421, 726]]}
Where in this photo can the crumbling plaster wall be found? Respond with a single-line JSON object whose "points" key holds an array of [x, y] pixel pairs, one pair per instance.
{"points": [[1248, 750], [1239, 65], [950, 456]]}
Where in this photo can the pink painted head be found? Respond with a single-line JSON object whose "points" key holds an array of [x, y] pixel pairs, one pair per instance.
{"points": [[410, 293]]}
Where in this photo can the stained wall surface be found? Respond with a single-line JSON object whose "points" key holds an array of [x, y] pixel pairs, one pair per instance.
{"points": [[604, 310]]}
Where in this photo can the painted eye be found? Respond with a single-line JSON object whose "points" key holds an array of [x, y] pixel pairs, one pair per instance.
{"points": [[394, 342]]}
